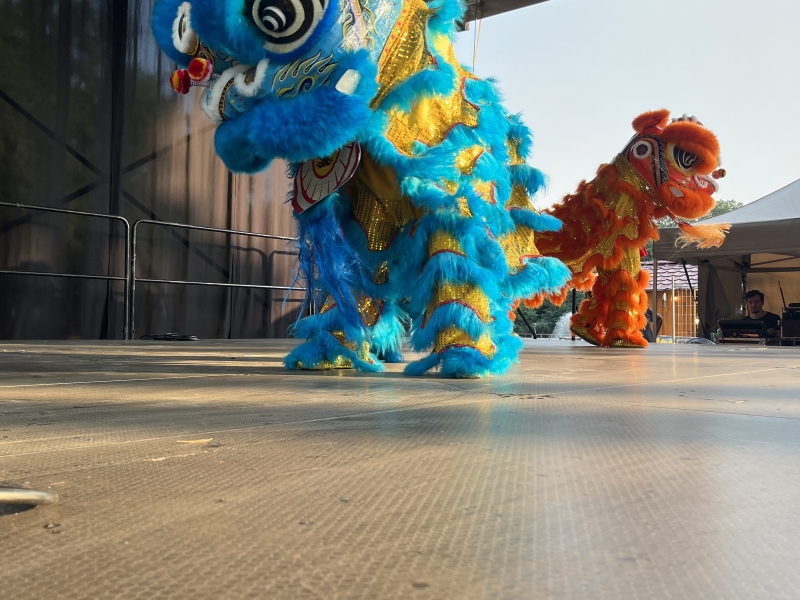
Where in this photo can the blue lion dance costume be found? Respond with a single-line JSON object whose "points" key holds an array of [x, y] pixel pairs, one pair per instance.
{"points": [[411, 191]]}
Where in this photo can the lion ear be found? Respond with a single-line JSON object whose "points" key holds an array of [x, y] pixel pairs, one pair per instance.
{"points": [[651, 122]]}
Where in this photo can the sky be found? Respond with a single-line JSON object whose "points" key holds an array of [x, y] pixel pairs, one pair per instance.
{"points": [[580, 71]]}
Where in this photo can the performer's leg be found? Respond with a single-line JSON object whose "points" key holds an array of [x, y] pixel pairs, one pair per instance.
{"points": [[627, 303], [587, 323], [331, 343], [459, 316]]}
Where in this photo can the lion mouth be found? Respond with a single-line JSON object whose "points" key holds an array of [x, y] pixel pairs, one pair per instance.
{"points": [[235, 89]]}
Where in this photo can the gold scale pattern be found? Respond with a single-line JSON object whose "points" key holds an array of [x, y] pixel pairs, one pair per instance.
{"points": [[466, 294], [405, 53], [513, 152], [622, 204], [444, 241], [453, 337], [377, 203], [519, 198], [406, 49], [517, 246], [340, 362], [369, 309], [381, 274]]}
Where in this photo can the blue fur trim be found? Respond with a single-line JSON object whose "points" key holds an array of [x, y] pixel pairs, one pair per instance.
{"points": [[543, 274], [391, 356], [533, 179], [443, 317], [310, 125], [328, 261], [422, 366], [535, 220], [441, 81], [464, 363], [326, 347], [164, 14]]}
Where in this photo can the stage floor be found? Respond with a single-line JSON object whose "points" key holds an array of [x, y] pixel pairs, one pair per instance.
{"points": [[206, 471]]}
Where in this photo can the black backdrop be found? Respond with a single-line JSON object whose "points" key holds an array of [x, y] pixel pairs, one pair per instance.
{"points": [[88, 122]]}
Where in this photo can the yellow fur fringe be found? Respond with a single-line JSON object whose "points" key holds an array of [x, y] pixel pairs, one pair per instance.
{"points": [[705, 236]]}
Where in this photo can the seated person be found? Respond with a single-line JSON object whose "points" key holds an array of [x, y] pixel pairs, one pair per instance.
{"points": [[756, 312], [647, 332]]}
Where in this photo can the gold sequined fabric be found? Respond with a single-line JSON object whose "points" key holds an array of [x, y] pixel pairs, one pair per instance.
{"points": [[406, 52], [406, 49], [430, 120], [485, 190], [513, 152], [444, 241], [327, 305], [467, 158], [381, 274], [466, 294], [370, 310], [325, 364], [451, 187], [375, 219], [377, 204], [517, 246], [453, 337], [463, 206], [627, 173], [519, 197], [631, 261], [361, 350], [623, 206], [444, 48]]}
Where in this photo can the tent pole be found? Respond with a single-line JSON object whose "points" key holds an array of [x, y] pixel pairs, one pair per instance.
{"points": [[694, 298], [654, 320], [674, 337]]}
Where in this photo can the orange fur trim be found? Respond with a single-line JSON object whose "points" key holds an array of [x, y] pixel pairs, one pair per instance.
{"points": [[534, 302], [692, 205], [705, 236], [696, 139], [654, 119]]}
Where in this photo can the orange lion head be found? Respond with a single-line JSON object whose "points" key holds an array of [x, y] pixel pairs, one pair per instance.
{"points": [[679, 159]]}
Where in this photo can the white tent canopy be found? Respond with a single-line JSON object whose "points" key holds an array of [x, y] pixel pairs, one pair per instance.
{"points": [[761, 249]]}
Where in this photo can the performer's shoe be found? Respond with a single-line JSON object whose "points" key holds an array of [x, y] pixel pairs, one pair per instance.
{"points": [[585, 334]]}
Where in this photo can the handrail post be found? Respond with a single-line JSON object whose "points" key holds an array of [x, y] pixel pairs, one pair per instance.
{"points": [[126, 333], [132, 291]]}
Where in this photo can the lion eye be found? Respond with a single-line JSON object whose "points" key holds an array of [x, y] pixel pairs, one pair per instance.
{"points": [[684, 159], [641, 150], [285, 24]]}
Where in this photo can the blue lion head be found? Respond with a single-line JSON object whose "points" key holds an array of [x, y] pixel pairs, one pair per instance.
{"points": [[286, 78]]}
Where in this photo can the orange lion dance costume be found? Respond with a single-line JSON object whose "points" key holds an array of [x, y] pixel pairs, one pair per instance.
{"points": [[666, 170]]}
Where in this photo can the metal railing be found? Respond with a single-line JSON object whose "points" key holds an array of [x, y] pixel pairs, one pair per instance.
{"points": [[134, 279], [124, 279]]}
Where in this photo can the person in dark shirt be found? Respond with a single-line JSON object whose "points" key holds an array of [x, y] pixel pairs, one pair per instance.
{"points": [[647, 332], [756, 312]]}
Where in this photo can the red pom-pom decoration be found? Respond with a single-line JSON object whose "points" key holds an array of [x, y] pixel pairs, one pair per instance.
{"points": [[200, 70], [180, 81]]}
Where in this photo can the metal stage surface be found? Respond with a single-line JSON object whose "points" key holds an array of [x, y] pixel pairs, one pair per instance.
{"points": [[204, 470]]}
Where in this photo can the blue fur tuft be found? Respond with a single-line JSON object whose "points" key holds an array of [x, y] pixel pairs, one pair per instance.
{"points": [[422, 366], [328, 262]]}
